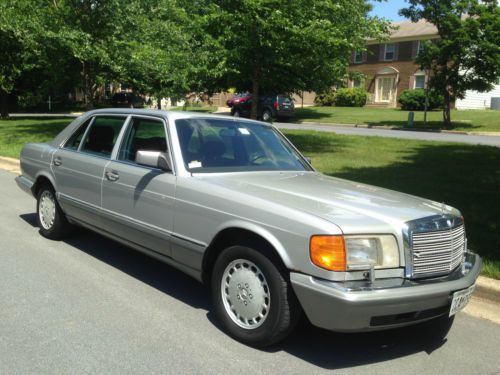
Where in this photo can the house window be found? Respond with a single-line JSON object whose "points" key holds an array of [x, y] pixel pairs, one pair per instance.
{"points": [[419, 81], [357, 82], [358, 57], [421, 47], [389, 50]]}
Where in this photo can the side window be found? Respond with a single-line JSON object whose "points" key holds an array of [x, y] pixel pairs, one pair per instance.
{"points": [[102, 136], [143, 134], [76, 138]]}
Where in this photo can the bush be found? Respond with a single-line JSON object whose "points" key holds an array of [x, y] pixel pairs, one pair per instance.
{"points": [[355, 97], [326, 98], [414, 100]]}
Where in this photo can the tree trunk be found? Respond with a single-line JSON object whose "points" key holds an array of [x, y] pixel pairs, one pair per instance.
{"points": [[447, 110], [158, 103], [87, 95], [4, 104], [255, 93]]}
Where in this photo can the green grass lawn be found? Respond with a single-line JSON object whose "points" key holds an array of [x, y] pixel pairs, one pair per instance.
{"points": [[14, 133], [471, 120], [208, 109], [464, 176]]}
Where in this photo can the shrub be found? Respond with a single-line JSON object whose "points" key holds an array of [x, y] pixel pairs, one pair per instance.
{"points": [[414, 100], [355, 97], [326, 98]]}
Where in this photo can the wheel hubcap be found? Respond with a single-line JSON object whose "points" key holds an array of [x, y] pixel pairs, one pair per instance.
{"points": [[47, 209], [245, 294]]}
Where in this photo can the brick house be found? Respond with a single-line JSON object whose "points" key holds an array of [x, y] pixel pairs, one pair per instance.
{"points": [[389, 68]]}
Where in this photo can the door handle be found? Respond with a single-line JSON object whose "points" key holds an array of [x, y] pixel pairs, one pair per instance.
{"points": [[112, 175], [57, 161]]}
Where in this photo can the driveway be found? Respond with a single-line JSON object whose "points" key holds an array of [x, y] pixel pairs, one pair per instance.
{"points": [[91, 305]]}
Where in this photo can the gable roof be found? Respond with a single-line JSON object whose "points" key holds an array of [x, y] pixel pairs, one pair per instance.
{"points": [[407, 29]]}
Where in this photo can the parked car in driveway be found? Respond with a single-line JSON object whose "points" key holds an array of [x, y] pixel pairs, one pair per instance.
{"points": [[127, 100], [238, 98], [269, 107], [232, 203]]}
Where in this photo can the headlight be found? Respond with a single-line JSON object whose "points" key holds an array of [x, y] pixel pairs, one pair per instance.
{"points": [[379, 251], [344, 253]]}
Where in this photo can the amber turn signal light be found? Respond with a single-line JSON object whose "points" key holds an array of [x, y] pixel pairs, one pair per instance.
{"points": [[328, 252]]}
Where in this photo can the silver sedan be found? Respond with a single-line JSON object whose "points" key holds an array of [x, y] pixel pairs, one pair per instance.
{"points": [[232, 203]]}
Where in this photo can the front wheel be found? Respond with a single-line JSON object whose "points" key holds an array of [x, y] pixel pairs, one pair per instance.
{"points": [[51, 220], [252, 298]]}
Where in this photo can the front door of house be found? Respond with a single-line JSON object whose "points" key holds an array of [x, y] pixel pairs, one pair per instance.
{"points": [[385, 89]]}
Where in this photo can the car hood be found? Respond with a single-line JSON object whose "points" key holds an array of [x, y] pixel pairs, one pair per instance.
{"points": [[354, 207]]}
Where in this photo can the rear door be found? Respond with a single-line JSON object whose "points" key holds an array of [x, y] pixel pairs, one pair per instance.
{"points": [[79, 166], [138, 201]]}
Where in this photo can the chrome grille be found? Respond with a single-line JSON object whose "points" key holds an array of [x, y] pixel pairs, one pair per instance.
{"points": [[437, 252]]}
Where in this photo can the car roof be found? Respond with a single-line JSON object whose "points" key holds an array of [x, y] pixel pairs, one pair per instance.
{"points": [[169, 115]]}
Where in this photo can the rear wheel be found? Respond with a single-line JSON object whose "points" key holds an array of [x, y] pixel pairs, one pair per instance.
{"points": [[252, 298], [51, 220], [267, 115]]}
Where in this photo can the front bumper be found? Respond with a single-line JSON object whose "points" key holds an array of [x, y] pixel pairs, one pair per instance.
{"points": [[387, 303]]}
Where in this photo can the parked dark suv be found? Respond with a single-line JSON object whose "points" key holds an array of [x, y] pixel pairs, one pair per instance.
{"points": [[127, 100], [270, 106]]}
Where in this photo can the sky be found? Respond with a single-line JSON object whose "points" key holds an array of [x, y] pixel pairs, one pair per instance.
{"points": [[389, 9]]}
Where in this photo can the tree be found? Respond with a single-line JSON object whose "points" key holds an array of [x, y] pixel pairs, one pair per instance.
{"points": [[170, 54], [19, 28], [93, 32], [467, 54], [290, 46]]}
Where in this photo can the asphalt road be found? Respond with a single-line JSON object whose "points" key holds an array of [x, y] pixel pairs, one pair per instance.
{"points": [[90, 305], [403, 134]]}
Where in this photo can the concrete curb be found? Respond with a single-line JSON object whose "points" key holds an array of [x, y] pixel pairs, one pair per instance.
{"points": [[488, 289], [10, 165]]}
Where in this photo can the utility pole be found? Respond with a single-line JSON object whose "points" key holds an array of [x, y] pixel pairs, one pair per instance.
{"points": [[426, 104]]}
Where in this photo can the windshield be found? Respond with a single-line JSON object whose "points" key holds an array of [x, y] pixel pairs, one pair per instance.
{"points": [[219, 145]]}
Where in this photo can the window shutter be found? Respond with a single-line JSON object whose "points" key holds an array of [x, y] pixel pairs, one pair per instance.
{"points": [[381, 52], [412, 82], [396, 51], [365, 57], [414, 49]]}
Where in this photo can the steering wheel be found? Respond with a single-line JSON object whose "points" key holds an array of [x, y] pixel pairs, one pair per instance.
{"points": [[255, 158]]}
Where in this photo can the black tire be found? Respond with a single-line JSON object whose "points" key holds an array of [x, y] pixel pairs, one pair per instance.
{"points": [[60, 226], [267, 115], [283, 311]]}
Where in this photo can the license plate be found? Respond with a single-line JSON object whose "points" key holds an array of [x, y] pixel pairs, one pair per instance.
{"points": [[461, 299]]}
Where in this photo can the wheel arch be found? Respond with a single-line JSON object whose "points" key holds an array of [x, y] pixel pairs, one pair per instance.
{"points": [[243, 234], [41, 179]]}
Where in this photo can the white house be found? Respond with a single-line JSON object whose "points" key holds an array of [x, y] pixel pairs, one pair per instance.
{"points": [[478, 100]]}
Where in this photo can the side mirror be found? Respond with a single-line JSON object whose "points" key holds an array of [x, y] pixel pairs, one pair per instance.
{"points": [[155, 159]]}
